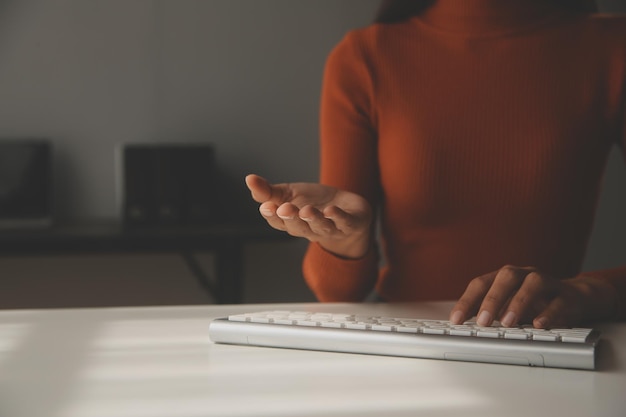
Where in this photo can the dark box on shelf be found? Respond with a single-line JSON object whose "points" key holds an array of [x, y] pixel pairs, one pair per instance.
{"points": [[25, 183], [167, 185]]}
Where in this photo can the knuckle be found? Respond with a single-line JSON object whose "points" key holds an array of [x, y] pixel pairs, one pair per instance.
{"points": [[321, 228], [279, 225], [322, 231], [534, 279], [491, 298], [297, 230], [509, 269], [512, 277], [347, 223], [479, 284], [508, 273]]}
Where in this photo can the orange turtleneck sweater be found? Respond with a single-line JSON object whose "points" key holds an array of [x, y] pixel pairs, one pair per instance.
{"points": [[479, 130]]}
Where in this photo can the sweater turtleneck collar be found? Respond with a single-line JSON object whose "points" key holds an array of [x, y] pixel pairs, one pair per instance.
{"points": [[488, 17]]}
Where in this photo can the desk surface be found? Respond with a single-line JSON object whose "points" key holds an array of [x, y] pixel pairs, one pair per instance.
{"points": [[136, 362]]}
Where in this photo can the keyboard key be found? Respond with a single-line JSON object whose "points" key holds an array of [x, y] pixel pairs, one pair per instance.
{"points": [[516, 335], [238, 317], [260, 319], [285, 321], [461, 332], [433, 330], [332, 324], [488, 333], [407, 329], [546, 337], [309, 323], [573, 338], [382, 327], [356, 326]]}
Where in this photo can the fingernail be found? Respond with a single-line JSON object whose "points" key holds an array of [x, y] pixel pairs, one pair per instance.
{"points": [[457, 316], [509, 319], [286, 217], [306, 219], [266, 212], [484, 318]]}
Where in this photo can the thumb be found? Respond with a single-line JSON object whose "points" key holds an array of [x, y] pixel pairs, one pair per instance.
{"points": [[263, 191]]}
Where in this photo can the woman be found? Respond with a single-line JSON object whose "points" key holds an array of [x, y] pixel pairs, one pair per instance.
{"points": [[477, 132]]}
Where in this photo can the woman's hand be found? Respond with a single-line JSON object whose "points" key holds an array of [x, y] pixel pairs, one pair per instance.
{"points": [[340, 221], [515, 295]]}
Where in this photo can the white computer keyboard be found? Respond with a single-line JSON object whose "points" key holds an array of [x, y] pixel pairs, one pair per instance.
{"points": [[410, 337]]}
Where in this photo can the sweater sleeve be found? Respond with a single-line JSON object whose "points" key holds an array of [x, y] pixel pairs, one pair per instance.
{"points": [[348, 144]]}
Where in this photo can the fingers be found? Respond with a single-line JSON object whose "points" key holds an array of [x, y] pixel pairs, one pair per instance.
{"points": [[307, 222], [557, 313], [533, 295], [552, 315], [564, 310], [281, 214], [319, 224], [468, 304], [506, 283], [268, 211], [345, 222], [312, 211], [511, 295]]}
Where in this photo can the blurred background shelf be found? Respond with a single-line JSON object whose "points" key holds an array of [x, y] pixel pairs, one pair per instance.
{"points": [[226, 241]]}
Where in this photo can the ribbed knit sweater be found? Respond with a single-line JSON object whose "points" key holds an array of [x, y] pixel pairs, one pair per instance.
{"points": [[479, 131]]}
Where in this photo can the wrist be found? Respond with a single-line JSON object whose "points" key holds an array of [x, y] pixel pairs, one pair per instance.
{"points": [[353, 248], [598, 297]]}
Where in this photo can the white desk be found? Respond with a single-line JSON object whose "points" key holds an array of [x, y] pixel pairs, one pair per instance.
{"points": [[158, 362]]}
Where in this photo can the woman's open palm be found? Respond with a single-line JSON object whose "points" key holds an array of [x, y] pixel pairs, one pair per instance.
{"points": [[340, 221]]}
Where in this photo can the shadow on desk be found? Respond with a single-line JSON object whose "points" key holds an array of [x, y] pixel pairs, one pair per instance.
{"points": [[606, 359]]}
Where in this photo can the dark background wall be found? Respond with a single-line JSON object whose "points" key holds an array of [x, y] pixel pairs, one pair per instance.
{"points": [[241, 74]]}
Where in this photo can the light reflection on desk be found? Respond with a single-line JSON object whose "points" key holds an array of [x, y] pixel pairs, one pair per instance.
{"points": [[159, 362], [11, 336], [164, 368]]}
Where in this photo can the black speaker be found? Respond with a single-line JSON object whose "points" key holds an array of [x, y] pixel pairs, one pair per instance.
{"points": [[25, 183], [168, 185]]}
